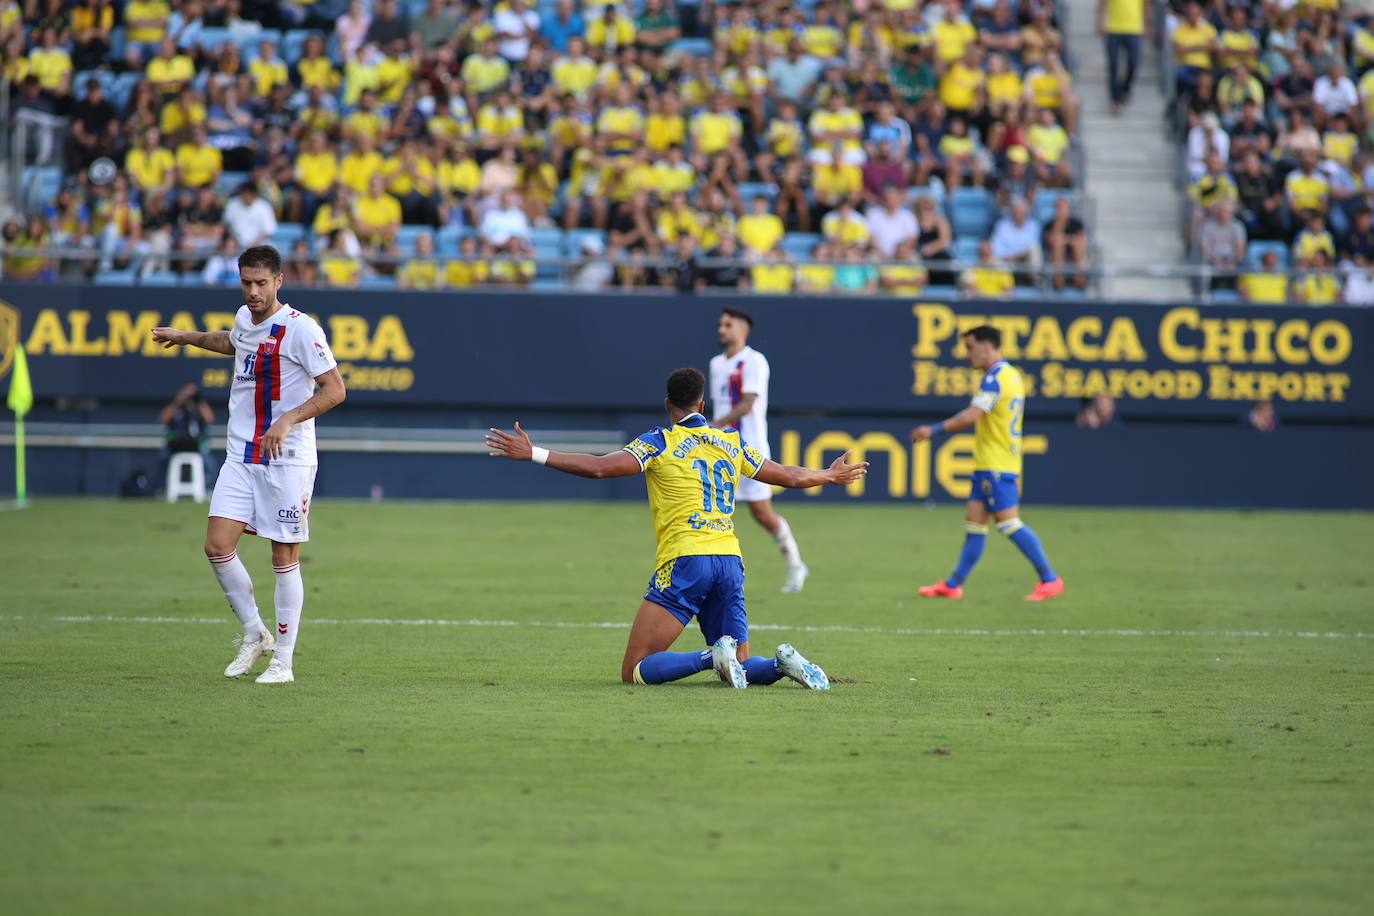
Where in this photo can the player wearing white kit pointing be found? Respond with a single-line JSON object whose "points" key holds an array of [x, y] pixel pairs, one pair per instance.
{"points": [[739, 398], [280, 356]]}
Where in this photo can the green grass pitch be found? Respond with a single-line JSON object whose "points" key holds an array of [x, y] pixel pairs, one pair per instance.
{"points": [[1158, 740]]}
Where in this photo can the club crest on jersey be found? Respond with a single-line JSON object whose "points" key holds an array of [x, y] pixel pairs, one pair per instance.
{"points": [[269, 346]]}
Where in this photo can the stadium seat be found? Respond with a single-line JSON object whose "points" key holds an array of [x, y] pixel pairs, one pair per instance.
{"points": [[1042, 205], [39, 185], [1028, 292], [377, 283], [115, 278], [248, 44], [966, 248], [934, 192], [121, 87], [229, 182], [1225, 297], [748, 190], [940, 292], [548, 284], [118, 39], [287, 234], [572, 241], [697, 47], [548, 246], [405, 239], [1256, 250], [447, 239], [159, 279], [293, 44], [800, 244], [213, 37], [970, 211]]}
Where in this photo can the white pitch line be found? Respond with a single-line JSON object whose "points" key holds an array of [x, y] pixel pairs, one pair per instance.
{"points": [[617, 625]]}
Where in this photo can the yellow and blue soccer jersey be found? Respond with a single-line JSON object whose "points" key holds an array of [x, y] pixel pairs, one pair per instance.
{"points": [[997, 437], [691, 469]]}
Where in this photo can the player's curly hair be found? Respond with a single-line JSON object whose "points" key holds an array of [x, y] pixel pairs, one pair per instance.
{"points": [[686, 388], [261, 256], [985, 332]]}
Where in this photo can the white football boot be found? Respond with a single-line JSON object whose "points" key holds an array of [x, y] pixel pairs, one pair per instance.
{"points": [[249, 652], [726, 663], [796, 578], [794, 665], [280, 673]]}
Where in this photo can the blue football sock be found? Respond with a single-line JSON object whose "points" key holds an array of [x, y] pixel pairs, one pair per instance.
{"points": [[662, 667], [975, 538], [1024, 538], [761, 671]]}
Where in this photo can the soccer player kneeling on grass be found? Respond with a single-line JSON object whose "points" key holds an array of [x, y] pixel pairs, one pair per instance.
{"points": [[692, 470], [280, 356], [995, 414]]}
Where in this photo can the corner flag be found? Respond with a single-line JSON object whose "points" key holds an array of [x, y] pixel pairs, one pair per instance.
{"points": [[19, 401]]}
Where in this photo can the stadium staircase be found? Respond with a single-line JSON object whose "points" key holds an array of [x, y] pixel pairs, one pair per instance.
{"points": [[1130, 167]]}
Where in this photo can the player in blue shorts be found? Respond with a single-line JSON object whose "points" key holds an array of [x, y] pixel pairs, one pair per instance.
{"points": [[995, 413], [692, 469]]}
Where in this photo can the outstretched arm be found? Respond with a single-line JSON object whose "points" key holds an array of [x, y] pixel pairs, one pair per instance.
{"points": [[214, 341], [961, 420], [518, 447], [786, 475]]}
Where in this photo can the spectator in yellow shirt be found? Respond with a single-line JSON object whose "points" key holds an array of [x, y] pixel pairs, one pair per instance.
{"points": [[145, 23], [317, 169], [816, 276], [1320, 287], [315, 68], [412, 179], [268, 71], [338, 267], [574, 73], [1195, 40], [359, 165], [459, 180], [179, 116], [959, 152], [1268, 286], [484, 73], [716, 135], [500, 123], [422, 270], [774, 274], [988, 279], [365, 119], [760, 230], [151, 167], [845, 225], [609, 33], [335, 213], [377, 216], [198, 163], [469, 269], [52, 65], [906, 277], [621, 126], [678, 219], [1048, 141]]}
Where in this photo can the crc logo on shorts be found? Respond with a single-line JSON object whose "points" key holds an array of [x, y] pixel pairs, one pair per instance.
{"points": [[289, 515]]}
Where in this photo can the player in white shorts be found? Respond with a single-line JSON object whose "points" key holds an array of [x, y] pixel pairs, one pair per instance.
{"points": [[739, 398], [280, 356]]}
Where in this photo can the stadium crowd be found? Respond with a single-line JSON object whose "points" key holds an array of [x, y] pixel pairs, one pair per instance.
{"points": [[1274, 104], [784, 145]]}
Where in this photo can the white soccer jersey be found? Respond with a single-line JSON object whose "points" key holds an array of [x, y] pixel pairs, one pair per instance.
{"points": [[275, 366], [732, 377]]}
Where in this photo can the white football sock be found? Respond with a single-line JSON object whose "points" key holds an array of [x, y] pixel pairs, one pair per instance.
{"points": [[238, 588], [290, 596], [787, 544]]}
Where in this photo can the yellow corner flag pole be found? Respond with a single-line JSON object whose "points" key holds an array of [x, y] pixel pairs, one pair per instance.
{"points": [[19, 401]]}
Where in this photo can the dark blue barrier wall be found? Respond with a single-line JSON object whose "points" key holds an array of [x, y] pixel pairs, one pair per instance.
{"points": [[836, 355], [845, 373]]}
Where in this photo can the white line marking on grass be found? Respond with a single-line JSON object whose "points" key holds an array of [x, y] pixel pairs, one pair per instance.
{"points": [[618, 625]]}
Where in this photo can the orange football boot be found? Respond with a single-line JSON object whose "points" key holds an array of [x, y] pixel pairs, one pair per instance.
{"points": [[1046, 590], [941, 590]]}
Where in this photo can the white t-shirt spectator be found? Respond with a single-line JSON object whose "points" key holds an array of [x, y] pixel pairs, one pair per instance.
{"points": [[500, 226], [509, 22], [888, 230], [1359, 287], [1337, 97], [251, 224]]}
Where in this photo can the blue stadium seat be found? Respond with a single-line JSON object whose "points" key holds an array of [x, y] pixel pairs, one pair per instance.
{"points": [[159, 279], [115, 278], [377, 283], [1028, 292], [572, 241], [448, 237], [1042, 205], [40, 184], [213, 37], [106, 78], [748, 190], [549, 284], [966, 248], [1225, 297], [934, 192], [697, 47], [1070, 292], [405, 239], [800, 244], [121, 87], [940, 292], [970, 211], [1256, 250], [248, 44], [547, 243], [229, 182], [293, 44], [287, 234], [118, 39]]}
